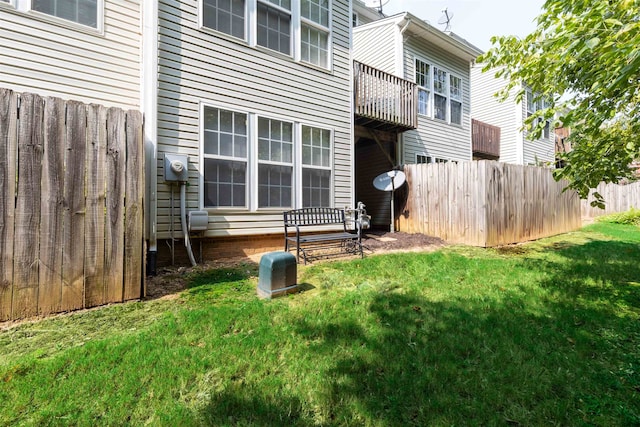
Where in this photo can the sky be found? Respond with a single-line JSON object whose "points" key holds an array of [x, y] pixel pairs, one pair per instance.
{"points": [[474, 20]]}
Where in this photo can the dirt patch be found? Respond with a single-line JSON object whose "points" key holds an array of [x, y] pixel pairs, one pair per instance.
{"points": [[382, 242]]}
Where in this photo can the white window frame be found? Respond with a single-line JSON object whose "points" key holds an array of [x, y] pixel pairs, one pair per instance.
{"points": [[423, 158], [25, 6], [252, 178], [431, 92], [304, 166], [443, 94], [296, 26]]}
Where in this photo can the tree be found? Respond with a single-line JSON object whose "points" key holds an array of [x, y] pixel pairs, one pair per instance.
{"points": [[584, 60]]}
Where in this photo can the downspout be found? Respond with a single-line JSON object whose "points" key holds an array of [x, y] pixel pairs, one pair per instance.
{"points": [[400, 50], [149, 106]]}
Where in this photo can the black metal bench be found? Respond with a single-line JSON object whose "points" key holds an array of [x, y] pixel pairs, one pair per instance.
{"points": [[345, 240]]}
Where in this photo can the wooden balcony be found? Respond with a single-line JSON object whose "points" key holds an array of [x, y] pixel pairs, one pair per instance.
{"points": [[485, 139], [384, 101]]}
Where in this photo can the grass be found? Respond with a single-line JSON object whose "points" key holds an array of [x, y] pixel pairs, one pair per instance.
{"points": [[546, 333]]}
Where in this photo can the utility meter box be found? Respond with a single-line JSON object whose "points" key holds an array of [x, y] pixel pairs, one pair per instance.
{"points": [[176, 167], [278, 274], [198, 220]]}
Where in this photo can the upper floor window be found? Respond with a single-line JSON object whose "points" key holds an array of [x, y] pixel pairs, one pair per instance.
{"points": [[439, 93], [84, 12], [423, 80], [226, 16], [304, 35]]}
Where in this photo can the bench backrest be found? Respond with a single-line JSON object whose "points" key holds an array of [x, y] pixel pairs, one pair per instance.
{"points": [[314, 216]]}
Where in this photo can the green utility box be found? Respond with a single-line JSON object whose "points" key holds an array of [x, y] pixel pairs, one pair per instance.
{"points": [[278, 274]]}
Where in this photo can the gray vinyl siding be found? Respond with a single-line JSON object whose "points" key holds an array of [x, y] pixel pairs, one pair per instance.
{"points": [[200, 66], [487, 108], [433, 137], [538, 151], [52, 58], [375, 45]]}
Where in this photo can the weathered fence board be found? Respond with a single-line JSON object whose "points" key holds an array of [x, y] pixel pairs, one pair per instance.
{"points": [[71, 205], [114, 223], [8, 152], [52, 205], [486, 203], [74, 211], [27, 213], [134, 208], [94, 219]]}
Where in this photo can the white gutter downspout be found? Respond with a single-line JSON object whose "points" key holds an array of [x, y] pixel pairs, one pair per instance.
{"points": [[149, 106], [400, 50]]}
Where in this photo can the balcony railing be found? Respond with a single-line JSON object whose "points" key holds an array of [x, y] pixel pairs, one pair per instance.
{"points": [[384, 101], [485, 139]]}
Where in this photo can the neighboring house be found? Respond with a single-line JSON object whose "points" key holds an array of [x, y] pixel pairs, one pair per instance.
{"points": [[509, 116], [88, 51], [438, 65]]}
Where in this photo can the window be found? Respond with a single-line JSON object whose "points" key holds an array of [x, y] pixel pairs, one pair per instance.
{"points": [[225, 158], [315, 32], [84, 12], [232, 153], [440, 98], [316, 167], [455, 94], [226, 16], [275, 163], [423, 80], [531, 104], [423, 159], [305, 36], [274, 25], [354, 19]]}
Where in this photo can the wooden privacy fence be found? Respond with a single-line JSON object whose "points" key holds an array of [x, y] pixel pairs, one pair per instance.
{"points": [[71, 205], [486, 203], [617, 198]]}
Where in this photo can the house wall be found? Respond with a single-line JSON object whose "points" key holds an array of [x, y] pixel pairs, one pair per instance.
{"points": [[202, 66], [515, 147], [433, 137], [375, 45], [487, 108], [54, 57], [365, 14]]}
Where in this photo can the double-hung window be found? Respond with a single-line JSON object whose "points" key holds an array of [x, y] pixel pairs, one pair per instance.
{"points": [[291, 162], [455, 96], [440, 94], [226, 16], [316, 166], [275, 163], [300, 29], [423, 80], [274, 25], [84, 12], [315, 32], [225, 149]]}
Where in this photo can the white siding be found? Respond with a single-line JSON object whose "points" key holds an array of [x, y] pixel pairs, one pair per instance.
{"points": [[375, 45], [509, 116], [487, 108], [433, 137], [52, 58], [198, 66]]}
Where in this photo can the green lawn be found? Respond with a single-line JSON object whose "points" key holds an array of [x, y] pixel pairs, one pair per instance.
{"points": [[546, 333]]}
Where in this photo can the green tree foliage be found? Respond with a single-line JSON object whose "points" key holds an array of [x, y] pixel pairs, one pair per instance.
{"points": [[584, 60]]}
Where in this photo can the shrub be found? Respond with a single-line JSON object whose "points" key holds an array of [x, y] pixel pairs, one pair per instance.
{"points": [[630, 217]]}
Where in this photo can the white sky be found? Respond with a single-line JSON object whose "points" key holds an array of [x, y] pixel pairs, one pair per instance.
{"points": [[474, 20]]}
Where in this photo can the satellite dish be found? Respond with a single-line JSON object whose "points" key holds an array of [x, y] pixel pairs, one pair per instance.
{"points": [[446, 19], [389, 181], [376, 4]]}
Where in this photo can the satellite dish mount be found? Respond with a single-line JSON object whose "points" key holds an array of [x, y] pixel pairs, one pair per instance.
{"points": [[389, 181], [446, 19]]}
